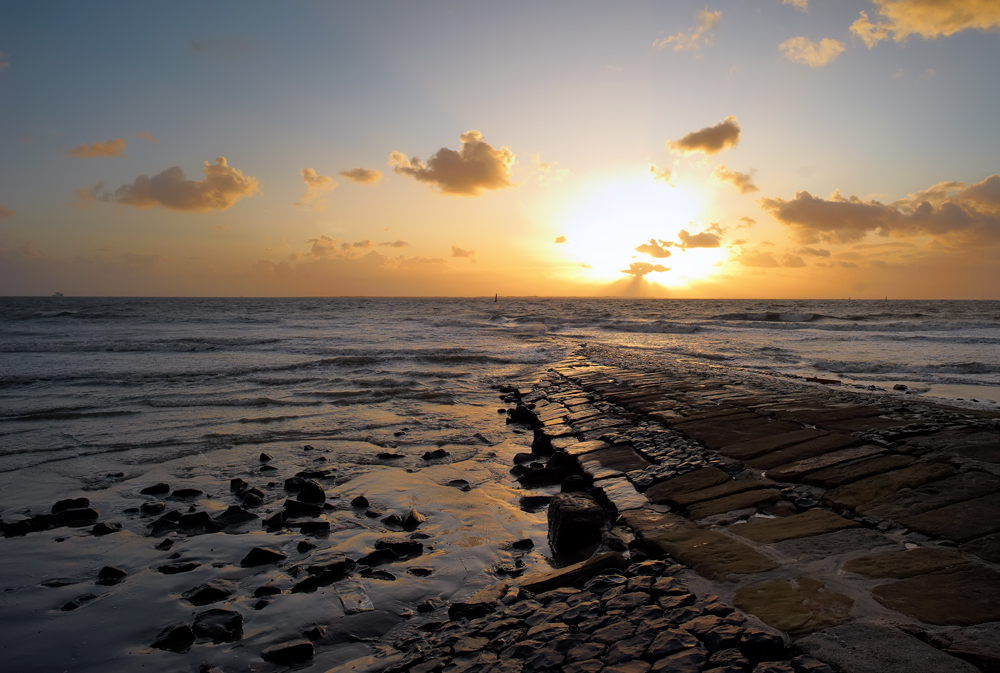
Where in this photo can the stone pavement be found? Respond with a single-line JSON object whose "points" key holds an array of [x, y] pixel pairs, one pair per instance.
{"points": [[865, 527]]}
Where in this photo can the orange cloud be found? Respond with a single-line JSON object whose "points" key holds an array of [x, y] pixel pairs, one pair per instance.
{"points": [[547, 172], [660, 173], [813, 54], [792, 261], [222, 187], [696, 37], [316, 186], [742, 181], [146, 135], [702, 240], [640, 269], [362, 176], [756, 258], [459, 252], [656, 249], [5, 213], [968, 213], [560, 239], [394, 244], [476, 166], [709, 140], [801, 4], [813, 252], [109, 148], [930, 19], [746, 222]]}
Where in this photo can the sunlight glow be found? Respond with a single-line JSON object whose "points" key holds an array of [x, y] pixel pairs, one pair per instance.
{"points": [[611, 217]]}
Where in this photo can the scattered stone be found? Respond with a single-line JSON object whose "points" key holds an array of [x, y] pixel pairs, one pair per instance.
{"points": [[109, 575], [186, 493], [435, 454], [575, 520], [360, 502], [177, 568], [177, 638], [210, 592], [312, 492], [70, 504], [102, 529], [234, 516], [460, 484], [156, 489], [264, 457], [259, 556], [77, 516], [219, 626]]}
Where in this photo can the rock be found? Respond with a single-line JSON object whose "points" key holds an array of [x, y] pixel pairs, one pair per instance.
{"points": [[109, 575], [264, 457], [962, 596], [186, 493], [152, 508], [156, 489], [522, 545], [769, 531], [266, 590], [670, 641], [378, 557], [276, 521], [219, 626], [165, 544], [298, 507], [905, 563], [312, 492], [177, 638], [689, 661], [729, 657], [194, 520], [330, 563], [105, 529], [313, 527], [412, 519], [78, 516], [71, 503], [871, 488], [259, 556], [303, 546], [252, 499], [435, 454], [268, 468], [401, 547], [177, 568], [234, 516], [386, 455], [774, 667], [900, 386], [210, 592], [360, 502], [575, 521], [460, 484], [480, 603], [798, 606], [761, 645]]}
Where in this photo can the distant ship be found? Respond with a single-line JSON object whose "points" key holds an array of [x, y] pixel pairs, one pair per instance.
{"points": [[56, 295]]}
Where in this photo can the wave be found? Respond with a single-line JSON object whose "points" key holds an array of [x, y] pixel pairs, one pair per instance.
{"points": [[772, 317], [857, 367], [654, 327], [66, 415]]}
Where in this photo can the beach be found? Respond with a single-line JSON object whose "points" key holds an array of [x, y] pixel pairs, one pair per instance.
{"points": [[367, 447]]}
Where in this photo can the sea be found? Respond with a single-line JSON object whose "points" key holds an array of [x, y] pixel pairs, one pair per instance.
{"points": [[145, 380]]}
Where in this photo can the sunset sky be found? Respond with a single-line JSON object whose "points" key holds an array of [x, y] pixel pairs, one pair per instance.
{"points": [[739, 148]]}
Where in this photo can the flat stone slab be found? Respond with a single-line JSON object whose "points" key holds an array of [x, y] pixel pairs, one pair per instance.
{"points": [[979, 445], [809, 449], [876, 648], [813, 522], [600, 424], [795, 471], [780, 439], [798, 606], [756, 498], [864, 491], [961, 597], [622, 494], [570, 575], [716, 434], [620, 458], [731, 487], [986, 548], [905, 563], [579, 448], [847, 541], [978, 644], [697, 480], [961, 522], [707, 552], [963, 486], [832, 477]]}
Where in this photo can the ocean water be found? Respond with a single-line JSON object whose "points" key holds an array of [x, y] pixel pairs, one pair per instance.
{"points": [[153, 379]]}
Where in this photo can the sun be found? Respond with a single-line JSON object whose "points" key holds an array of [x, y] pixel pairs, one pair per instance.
{"points": [[610, 217]]}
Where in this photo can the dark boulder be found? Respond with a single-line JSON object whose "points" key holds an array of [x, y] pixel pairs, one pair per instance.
{"points": [[264, 457], [312, 527], [403, 548], [81, 516], [156, 489], [210, 592], [292, 652], [435, 454], [360, 502], [177, 568], [70, 503], [252, 499], [219, 626], [575, 521], [312, 492], [186, 493], [152, 508], [102, 529], [109, 575], [276, 521], [238, 486], [759, 644], [234, 516], [195, 520], [298, 507], [295, 484], [259, 556], [330, 563], [177, 638]]}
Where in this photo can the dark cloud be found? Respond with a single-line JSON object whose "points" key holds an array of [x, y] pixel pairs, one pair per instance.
{"points": [[814, 252], [362, 176], [792, 261], [756, 258], [222, 187], [394, 244], [460, 252], [476, 166], [969, 213], [742, 181], [640, 269], [703, 240], [709, 140], [656, 249], [108, 148]]}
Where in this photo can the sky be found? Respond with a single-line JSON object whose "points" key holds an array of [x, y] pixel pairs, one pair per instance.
{"points": [[730, 149]]}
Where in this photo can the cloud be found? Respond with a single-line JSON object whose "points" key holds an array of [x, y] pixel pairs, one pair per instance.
{"points": [[800, 4], [660, 174], [930, 19], [756, 258], [709, 140], [792, 261], [656, 249], [742, 181], [696, 37], [459, 252], [813, 54], [316, 186], [476, 166], [560, 239], [746, 222], [5, 213], [146, 135], [327, 247], [968, 213], [547, 172], [222, 187], [813, 252], [362, 176], [394, 244], [640, 269], [109, 148], [702, 240]]}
